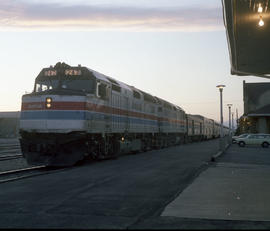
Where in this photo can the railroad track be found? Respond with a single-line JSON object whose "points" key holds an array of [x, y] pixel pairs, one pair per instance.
{"points": [[6, 150], [19, 174], [10, 145], [10, 157], [9, 151]]}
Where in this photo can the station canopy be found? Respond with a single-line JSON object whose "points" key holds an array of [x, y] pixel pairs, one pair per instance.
{"points": [[247, 24]]}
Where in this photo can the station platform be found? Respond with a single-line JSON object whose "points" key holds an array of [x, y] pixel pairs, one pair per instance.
{"points": [[237, 187], [233, 193], [226, 191]]}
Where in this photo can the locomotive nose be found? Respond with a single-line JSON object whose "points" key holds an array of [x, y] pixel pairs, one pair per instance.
{"points": [[52, 113]]}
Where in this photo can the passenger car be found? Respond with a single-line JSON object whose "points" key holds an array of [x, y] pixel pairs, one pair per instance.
{"points": [[255, 139], [234, 138]]}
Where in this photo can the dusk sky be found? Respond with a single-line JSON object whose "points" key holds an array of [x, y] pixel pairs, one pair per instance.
{"points": [[174, 49]]}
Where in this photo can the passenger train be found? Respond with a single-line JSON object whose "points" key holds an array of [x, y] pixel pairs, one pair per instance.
{"points": [[76, 112]]}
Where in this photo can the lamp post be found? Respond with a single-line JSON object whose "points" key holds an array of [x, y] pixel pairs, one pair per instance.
{"points": [[230, 128], [220, 87], [232, 124], [237, 120], [229, 106]]}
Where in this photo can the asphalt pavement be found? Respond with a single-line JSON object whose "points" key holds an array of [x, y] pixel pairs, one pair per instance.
{"points": [[174, 188], [111, 194]]}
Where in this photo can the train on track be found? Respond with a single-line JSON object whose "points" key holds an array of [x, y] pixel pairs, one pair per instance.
{"points": [[76, 112]]}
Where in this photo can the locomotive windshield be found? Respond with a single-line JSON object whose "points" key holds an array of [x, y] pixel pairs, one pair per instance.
{"points": [[44, 85], [79, 85], [63, 76], [85, 85]]}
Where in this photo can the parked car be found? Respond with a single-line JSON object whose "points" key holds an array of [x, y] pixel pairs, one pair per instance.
{"points": [[254, 139], [240, 136]]}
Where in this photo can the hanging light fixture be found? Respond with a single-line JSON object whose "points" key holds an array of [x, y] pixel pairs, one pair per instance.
{"points": [[261, 22], [260, 9]]}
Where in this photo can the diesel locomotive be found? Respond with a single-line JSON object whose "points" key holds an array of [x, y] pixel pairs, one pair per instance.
{"points": [[75, 112]]}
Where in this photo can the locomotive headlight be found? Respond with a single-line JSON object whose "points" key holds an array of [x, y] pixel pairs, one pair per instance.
{"points": [[261, 22], [48, 102]]}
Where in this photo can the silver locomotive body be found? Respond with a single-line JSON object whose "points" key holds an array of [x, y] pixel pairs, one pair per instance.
{"points": [[75, 112]]}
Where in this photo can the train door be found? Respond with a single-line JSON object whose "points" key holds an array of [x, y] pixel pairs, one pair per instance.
{"points": [[115, 111], [193, 128], [160, 115], [187, 125], [108, 103], [126, 114], [104, 95]]}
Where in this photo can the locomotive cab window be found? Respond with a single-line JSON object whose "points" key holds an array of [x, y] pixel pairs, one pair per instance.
{"points": [[102, 90], [136, 94]]}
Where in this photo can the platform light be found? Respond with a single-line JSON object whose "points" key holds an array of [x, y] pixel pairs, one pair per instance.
{"points": [[220, 87], [261, 22], [260, 9]]}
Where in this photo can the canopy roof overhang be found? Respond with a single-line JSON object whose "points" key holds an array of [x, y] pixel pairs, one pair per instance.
{"points": [[249, 43]]}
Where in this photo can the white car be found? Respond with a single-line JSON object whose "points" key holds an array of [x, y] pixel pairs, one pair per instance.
{"points": [[241, 136], [254, 139]]}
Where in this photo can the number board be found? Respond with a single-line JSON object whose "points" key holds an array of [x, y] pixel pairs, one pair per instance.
{"points": [[50, 73], [73, 72]]}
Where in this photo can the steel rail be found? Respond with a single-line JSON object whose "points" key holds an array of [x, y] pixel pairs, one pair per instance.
{"points": [[26, 170], [10, 146], [10, 157], [21, 170], [10, 174]]}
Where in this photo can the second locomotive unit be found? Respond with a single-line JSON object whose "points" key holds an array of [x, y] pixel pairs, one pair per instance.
{"points": [[74, 112]]}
